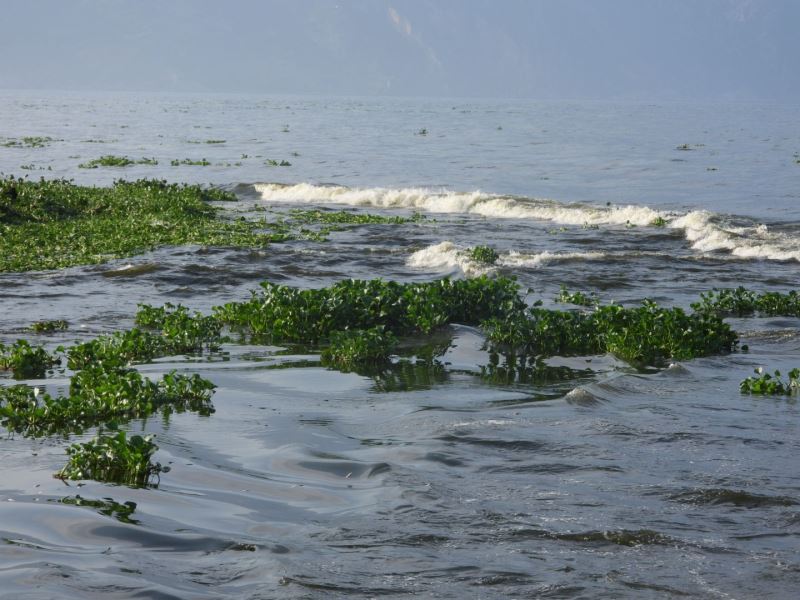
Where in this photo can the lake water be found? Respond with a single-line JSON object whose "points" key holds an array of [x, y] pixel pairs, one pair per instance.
{"points": [[311, 483]]}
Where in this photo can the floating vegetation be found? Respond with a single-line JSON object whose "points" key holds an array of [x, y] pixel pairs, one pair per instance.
{"points": [[114, 459], [577, 298], [57, 224], [422, 131], [116, 161], [270, 162], [741, 302], [188, 161], [108, 506], [771, 385], [350, 218], [101, 394], [648, 335], [215, 141], [283, 313], [26, 361], [658, 222], [485, 255], [29, 142], [359, 347], [684, 147], [49, 326]]}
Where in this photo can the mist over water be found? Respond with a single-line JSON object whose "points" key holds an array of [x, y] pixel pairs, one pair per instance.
{"points": [[598, 481]]}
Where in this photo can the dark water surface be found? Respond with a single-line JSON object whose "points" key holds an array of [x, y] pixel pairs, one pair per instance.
{"points": [[600, 482]]}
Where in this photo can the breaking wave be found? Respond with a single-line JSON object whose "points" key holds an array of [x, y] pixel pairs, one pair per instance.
{"points": [[706, 232]]}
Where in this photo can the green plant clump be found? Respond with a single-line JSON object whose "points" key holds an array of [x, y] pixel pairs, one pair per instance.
{"points": [[49, 326], [286, 314], [576, 298], [359, 347], [114, 459], [485, 255], [344, 217], [26, 361], [648, 334], [57, 224], [99, 395], [110, 160], [658, 222], [742, 302], [187, 161], [271, 162], [771, 385]]}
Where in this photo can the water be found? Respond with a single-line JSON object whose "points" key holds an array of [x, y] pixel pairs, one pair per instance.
{"points": [[310, 483]]}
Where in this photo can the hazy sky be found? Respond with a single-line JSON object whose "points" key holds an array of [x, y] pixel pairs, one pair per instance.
{"points": [[546, 49]]}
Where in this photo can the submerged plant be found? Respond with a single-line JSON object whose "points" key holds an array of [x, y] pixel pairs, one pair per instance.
{"points": [[114, 459], [771, 385]]}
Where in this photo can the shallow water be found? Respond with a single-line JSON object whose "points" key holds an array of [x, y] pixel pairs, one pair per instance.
{"points": [[606, 482]]}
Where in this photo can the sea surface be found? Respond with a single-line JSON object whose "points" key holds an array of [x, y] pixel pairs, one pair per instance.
{"points": [[612, 482]]}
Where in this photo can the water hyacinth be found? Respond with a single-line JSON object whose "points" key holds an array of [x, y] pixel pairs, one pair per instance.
{"points": [[113, 458]]}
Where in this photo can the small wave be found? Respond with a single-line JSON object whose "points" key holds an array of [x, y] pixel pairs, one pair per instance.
{"points": [[740, 498], [446, 257], [520, 259], [705, 231]]}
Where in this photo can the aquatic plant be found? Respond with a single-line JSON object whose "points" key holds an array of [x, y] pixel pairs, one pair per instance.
{"points": [[645, 335], [658, 222], [26, 361], [349, 217], [357, 347], [55, 224], [283, 313], [274, 163], [116, 161], [771, 385], [577, 298], [422, 131], [113, 459], [483, 254], [30, 141], [215, 141], [742, 302], [187, 161], [183, 332], [107, 506], [101, 394], [49, 326]]}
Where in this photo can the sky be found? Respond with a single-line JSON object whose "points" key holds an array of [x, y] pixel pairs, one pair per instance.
{"points": [[539, 49]]}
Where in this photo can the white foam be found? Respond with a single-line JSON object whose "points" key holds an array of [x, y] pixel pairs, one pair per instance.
{"points": [[520, 259], [446, 257], [444, 201], [706, 232]]}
